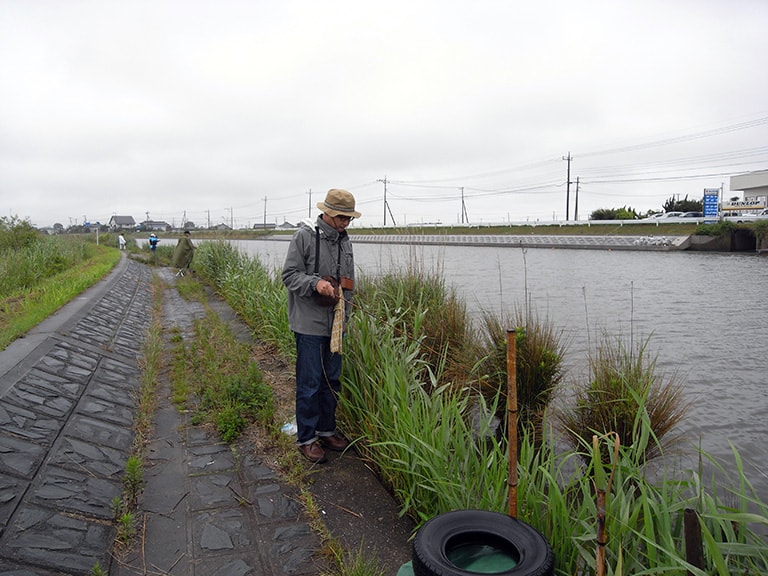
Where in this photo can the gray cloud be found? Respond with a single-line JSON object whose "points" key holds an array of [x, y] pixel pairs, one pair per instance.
{"points": [[206, 109]]}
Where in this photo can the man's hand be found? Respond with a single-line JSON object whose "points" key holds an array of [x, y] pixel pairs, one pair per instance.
{"points": [[325, 288]]}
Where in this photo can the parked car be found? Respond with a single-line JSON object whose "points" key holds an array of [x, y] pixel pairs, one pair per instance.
{"points": [[664, 215], [692, 215], [739, 218]]}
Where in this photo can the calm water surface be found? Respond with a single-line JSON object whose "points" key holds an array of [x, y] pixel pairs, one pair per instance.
{"points": [[706, 316]]}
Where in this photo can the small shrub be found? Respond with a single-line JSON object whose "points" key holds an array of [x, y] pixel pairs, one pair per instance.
{"points": [[16, 234], [719, 229], [761, 230]]}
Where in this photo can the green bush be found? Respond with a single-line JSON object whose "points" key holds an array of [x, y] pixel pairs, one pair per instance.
{"points": [[719, 229], [16, 234], [761, 229]]}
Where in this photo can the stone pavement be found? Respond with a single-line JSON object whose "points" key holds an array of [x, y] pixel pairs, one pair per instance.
{"points": [[67, 403]]}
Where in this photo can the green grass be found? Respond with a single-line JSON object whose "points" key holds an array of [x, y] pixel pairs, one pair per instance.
{"points": [[254, 292], [38, 280], [214, 377]]}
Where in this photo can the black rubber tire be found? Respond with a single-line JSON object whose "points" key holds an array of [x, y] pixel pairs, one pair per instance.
{"points": [[450, 530]]}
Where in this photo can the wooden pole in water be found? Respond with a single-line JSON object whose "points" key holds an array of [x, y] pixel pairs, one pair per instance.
{"points": [[512, 419]]}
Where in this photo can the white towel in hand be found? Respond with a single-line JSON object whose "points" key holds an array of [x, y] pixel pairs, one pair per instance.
{"points": [[338, 324]]}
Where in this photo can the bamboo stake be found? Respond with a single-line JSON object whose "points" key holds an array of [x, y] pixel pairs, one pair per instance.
{"points": [[601, 535], [601, 496], [512, 419]]}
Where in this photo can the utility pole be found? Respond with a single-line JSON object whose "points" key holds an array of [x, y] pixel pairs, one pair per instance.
{"points": [[576, 209], [209, 219], [568, 187], [464, 214], [386, 206], [265, 212], [309, 213], [385, 198]]}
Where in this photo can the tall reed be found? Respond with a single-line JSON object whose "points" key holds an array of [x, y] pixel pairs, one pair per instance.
{"points": [[257, 294], [644, 518], [420, 435], [25, 268], [446, 332]]}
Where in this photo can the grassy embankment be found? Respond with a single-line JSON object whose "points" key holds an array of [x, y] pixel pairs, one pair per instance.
{"points": [[428, 427], [39, 274]]}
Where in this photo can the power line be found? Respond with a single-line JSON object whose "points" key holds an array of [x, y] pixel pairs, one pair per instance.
{"points": [[683, 138]]}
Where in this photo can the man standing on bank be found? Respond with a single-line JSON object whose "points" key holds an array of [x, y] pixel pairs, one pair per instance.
{"points": [[319, 269]]}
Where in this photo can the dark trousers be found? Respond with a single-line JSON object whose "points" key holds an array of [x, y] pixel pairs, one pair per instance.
{"points": [[317, 386]]}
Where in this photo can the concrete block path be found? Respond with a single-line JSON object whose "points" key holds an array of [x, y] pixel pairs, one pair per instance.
{"points": [[67, 403]]}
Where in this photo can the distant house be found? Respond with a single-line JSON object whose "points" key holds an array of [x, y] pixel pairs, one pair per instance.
{"points": [[221, 226], [267, 226], [286, 226], [121, 222], [155, 226]]}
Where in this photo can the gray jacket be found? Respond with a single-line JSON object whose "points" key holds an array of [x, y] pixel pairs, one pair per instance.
{"points": [[304, 315]]}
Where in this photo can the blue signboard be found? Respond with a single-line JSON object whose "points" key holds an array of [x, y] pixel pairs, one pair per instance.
{"points": [[711, 204]]}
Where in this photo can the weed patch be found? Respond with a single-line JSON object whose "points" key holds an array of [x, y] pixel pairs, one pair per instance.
{"points": [[214, 376]]}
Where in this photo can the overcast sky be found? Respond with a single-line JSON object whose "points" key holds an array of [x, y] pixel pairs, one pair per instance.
{"points": [[249, 111]]}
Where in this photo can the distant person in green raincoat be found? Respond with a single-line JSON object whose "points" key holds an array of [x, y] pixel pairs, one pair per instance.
{"points": [[182, 255]]}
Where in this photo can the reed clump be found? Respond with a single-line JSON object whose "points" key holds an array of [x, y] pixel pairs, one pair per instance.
{"points": [[420, 306], [540, 352], [624, 384]]}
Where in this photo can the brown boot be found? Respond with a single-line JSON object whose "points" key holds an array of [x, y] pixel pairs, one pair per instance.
{"points": [[313, 452], [336, 443]]}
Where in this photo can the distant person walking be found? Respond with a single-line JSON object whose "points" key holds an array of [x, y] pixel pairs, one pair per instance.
{"points": [[182, 255], [121, 241], [319, 274], [153, 240]]}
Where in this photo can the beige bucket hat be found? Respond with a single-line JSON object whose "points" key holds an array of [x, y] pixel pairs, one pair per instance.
{"points": [[339, 202]]}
